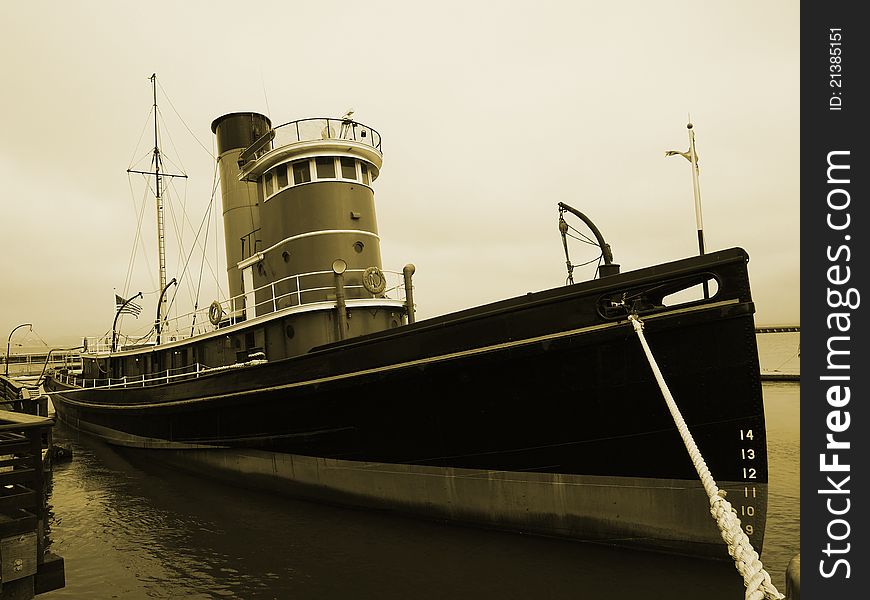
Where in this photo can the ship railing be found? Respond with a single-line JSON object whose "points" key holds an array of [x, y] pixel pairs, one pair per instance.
{"points": [[193, 371], [293, 291], [307, 130], [142, 380], [97, 344]]}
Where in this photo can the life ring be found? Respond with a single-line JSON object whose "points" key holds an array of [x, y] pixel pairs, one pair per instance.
{"points": [[215, 313], [374, 280]]}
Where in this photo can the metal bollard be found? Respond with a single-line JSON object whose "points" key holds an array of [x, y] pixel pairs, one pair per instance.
{"points": [[338, 267], [408, 271]]}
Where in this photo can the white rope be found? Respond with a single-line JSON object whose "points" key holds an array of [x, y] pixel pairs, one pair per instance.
{"points": [[755, 578]]}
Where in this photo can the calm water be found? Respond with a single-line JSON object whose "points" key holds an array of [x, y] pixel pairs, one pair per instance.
{"points": [[780, 352], [128, 528]]}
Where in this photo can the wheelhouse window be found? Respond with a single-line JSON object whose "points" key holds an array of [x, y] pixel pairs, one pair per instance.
{"points": [[348, 168], [281, 175], [325, 167], [301, 172]]}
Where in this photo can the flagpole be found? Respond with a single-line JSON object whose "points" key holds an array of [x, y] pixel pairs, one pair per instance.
{"points": [[692, 156], [696, 187], [118, 314]]}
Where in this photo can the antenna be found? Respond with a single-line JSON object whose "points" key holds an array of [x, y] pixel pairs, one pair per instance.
{"points": [[265, 97], [347, 124]]}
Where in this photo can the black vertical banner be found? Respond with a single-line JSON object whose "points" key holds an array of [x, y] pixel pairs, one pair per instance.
{"points": [[835, 302]]}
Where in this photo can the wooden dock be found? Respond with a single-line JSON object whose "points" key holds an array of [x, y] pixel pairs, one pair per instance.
{"points": [[26, 567]]}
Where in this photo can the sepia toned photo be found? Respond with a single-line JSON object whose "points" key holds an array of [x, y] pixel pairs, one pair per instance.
{"points": [[400, 300]]}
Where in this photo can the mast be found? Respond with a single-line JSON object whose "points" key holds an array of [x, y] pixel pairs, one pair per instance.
{"points": [[161, 233]]}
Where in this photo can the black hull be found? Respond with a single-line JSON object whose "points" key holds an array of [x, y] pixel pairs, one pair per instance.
{"points": [[545, 393]]}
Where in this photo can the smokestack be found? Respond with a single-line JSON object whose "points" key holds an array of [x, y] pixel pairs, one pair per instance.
{"points": [[235, 132]]}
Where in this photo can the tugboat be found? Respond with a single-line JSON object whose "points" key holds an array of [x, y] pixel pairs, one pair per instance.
{"points": [[537, 413]]}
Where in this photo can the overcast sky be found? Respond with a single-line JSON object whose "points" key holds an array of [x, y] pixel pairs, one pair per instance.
{"points": [[490, 114]]}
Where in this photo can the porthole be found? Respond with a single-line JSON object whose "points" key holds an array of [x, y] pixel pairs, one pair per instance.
{"points": [[286, 256], [291, 333], [261, 269], [358, 247]]}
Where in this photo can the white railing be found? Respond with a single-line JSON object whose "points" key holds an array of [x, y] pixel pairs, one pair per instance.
{"points": [[296, 290], [166, 376], [193, 371], [305, 130]]}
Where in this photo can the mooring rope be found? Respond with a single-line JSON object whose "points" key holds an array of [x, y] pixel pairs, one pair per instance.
{"points": [[746, 559]]}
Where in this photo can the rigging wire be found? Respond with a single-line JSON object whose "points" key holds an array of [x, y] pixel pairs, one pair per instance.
{"points": [[179, 222], [199, 283], [138, 241], [582, 235], [597, 258], [141, 135], [214, 186], [140, 237], [214, 219], [179, 233], [564, 228], [790, 358], [139, 339], [27, 335], [186, 262], [265, 96], [165, 131], [168, 99], [580, 239], [187, 221], [170, 189], [149, 154], [39, 337]]}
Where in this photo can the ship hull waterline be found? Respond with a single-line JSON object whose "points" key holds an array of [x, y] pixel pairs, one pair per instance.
{"points": [[562, 434], [652, 514]]}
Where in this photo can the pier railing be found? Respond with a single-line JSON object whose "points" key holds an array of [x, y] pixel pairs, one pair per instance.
{"points": [[293, 291], [306, 130], [32, 363]]}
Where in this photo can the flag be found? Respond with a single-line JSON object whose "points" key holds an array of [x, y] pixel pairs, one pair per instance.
{"points": [[687, 154], [131, 309]]}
